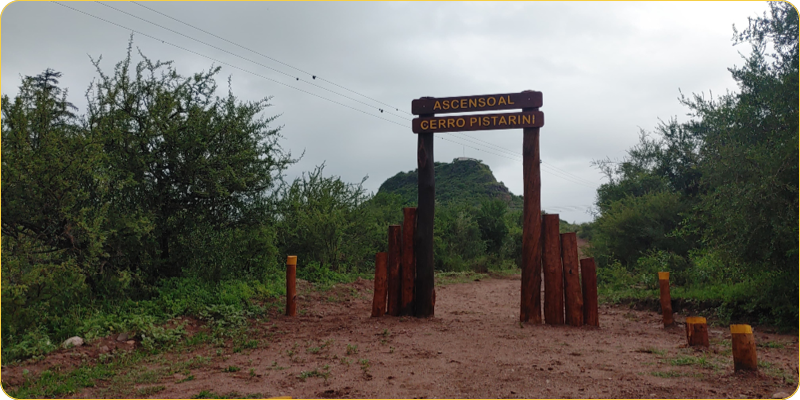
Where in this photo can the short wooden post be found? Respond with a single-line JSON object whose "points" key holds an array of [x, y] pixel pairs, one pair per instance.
{"points": [[666, 301], [393, 269], [744, 348], [589, 281], [408, 266], [696, 331], [573, 298], [553, 272], [291, 290], [379, 295]]}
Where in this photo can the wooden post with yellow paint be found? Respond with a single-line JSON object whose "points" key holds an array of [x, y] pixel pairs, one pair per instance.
{"points": [[696, 331], [744, 348], [666, 301], [291, 291]]}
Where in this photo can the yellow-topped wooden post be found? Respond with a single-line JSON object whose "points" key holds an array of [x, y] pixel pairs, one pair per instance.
{"points": [[666, 301], [696, 331], [744, 348], [291, 291]]}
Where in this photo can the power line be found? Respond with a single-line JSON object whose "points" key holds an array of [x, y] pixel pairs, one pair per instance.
{"points": [[268, 57], [228, 64], [567, 178], [247, 59], [544, 163]]}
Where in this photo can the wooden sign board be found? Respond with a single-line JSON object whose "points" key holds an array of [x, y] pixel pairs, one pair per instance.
{"points": [[444, 105], [478, 122]]}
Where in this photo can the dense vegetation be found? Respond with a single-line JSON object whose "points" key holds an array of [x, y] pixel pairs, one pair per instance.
{"points": [[714, 200], [164, 199]]}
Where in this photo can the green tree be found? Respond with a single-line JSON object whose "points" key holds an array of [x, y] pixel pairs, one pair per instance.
{"points": [[327, 221], [52, 236], [180, 157], [749, 209], [492, 224]]}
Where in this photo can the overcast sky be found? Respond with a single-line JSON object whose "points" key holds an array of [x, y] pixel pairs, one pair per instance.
{"points": [[606, 69]]}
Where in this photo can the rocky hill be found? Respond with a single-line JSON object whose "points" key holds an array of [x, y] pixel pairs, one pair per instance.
{"points": [[463, 180]]}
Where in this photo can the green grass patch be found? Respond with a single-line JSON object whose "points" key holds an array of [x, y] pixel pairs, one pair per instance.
{"points": [[771, 345], [450, 278], [208, 394], [150, 390], [675, 374], [652, 350], [316, 373]]}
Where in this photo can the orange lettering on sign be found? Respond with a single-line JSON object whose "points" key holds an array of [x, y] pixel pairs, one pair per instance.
{"points": [[460, 122], [473, 102], [501, 101], [472, 121], [491, 101], [481, 102]]}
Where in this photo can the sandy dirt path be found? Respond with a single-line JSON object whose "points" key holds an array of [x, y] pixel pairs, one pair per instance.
{"points": [[475, 348]]}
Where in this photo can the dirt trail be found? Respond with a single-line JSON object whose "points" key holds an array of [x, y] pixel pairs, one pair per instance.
{"points": [[476, 348]]}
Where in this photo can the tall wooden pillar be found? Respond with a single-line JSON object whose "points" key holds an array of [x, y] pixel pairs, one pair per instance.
{"points": [[426, 193], [530, 301]]}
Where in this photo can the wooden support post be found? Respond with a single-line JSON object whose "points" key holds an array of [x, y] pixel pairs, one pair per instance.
{"points": [[696, 331], [408, 268], [573, 298], [379, 295], [553, 272], [666, 301], [531, 291], [393, 271], [744, 348], [291, 291], [426, 194], [589, 281]]}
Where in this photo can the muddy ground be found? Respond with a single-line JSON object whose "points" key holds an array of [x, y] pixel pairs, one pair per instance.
{"points": [[473, 348]]}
